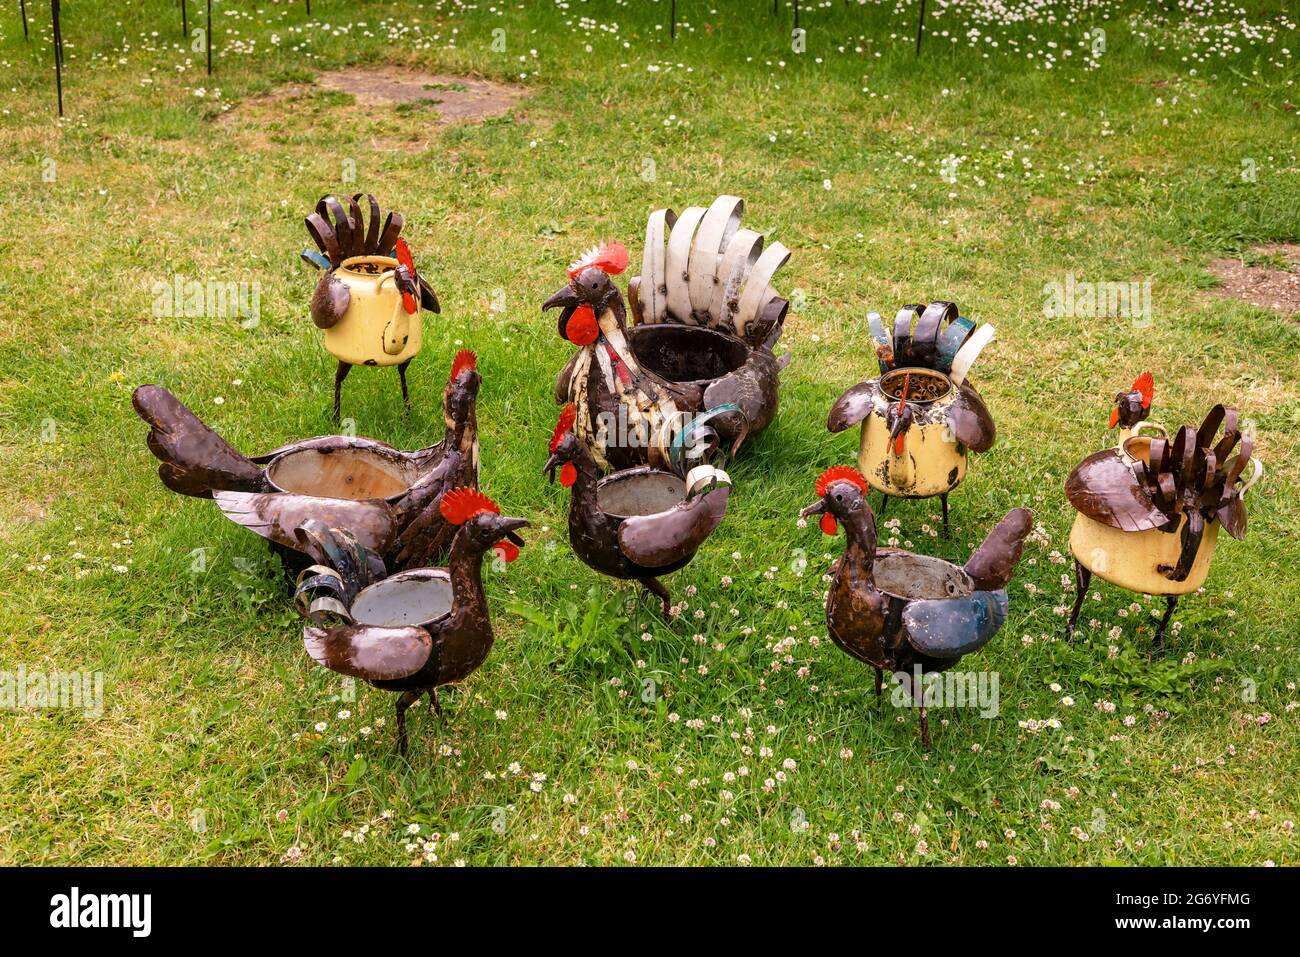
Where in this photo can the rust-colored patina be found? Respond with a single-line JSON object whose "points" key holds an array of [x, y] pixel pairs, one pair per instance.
{"points": [[920, 417], [704, 322], [905, 613], [638, 523], [353, 248], [412, 632], [1149, 509], [386, 497]]}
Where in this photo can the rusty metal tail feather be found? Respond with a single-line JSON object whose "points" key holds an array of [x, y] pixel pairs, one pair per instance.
{"points": [[195, 460], [994, 562]]}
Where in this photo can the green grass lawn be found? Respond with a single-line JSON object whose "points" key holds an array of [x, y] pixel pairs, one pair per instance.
{"points": [[994, 164]]}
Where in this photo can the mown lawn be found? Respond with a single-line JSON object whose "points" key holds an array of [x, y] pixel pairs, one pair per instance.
{"points": [[994, 164]]}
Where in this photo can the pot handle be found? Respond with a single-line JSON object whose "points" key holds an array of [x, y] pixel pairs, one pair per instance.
{"points": [[1257, 472], [1144, 424], [398, 328]]}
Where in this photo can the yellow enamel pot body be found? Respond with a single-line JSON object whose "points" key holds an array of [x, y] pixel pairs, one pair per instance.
{"points": [[376, 330], [1131, 559], [932, 462]]}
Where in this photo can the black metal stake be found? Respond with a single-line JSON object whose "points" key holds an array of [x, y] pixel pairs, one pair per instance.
{"points": [[920, 28], [209, 37], [672, 21], [22, 5], [185, 19], [308, 7], [58, 51], [796, 14]]}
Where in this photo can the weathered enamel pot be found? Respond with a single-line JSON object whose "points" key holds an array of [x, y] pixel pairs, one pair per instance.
{"points": [[376, 329], [920, 418], [930, 461], [1133, 559]]}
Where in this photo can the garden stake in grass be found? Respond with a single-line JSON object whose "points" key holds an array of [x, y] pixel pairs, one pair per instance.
{"points": [[1149, 509], [369, 298], [905, 613], [921, 416], [22, 8], [384, 496], [639, 523], [185, 19], [706, 320], [58, 51], [207, 37], [417, 630]]}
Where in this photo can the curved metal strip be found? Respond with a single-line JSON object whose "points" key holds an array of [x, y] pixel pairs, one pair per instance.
{"points": [[738, 259], [677, 265], [717, 227], [653, 289], [758, 289]]}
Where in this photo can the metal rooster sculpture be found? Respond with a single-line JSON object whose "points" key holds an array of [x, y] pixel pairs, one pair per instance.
{"points": [[638, 523], [920, 416], [369, 298], [1149, 509], [905, 613], [704, 322], [417, 630], [385, 496]]}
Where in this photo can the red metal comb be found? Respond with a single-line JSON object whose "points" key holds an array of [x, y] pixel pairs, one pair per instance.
{"points": [[840, 473], [1146, 384], [612, 258], [465, 359], [568, 415], [461, 504]]}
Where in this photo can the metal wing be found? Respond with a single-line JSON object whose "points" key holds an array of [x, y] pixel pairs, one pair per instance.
{"points": [[276, 516], [952, 627], [653, 541], [368, 651], [1105, 489], [970, 421], [853, 406]]}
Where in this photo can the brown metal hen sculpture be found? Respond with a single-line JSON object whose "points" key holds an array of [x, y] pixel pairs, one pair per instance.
{"points": [[386, 497], [1149, 509], [414, 631], [639, 523], [906, 613]]}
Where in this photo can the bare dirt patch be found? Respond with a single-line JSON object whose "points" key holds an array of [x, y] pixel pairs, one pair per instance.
{"points": [[1263, 283], [454, 97]]}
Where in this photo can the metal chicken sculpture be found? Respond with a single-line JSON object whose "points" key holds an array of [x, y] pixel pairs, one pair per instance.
{"points": [[369, 299], [905, 613], [385, 496], [638, 523], [704, 321], [920, 417], [1149, 509], [414, 631]]}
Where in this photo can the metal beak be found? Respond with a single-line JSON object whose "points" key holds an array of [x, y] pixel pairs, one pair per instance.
{"points": [[562, 299], [816, 508], [549, 468]]}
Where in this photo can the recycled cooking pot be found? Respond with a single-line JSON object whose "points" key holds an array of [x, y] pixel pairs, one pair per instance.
{"points": [[931, 461], [1132, 560], [376, 330]]}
